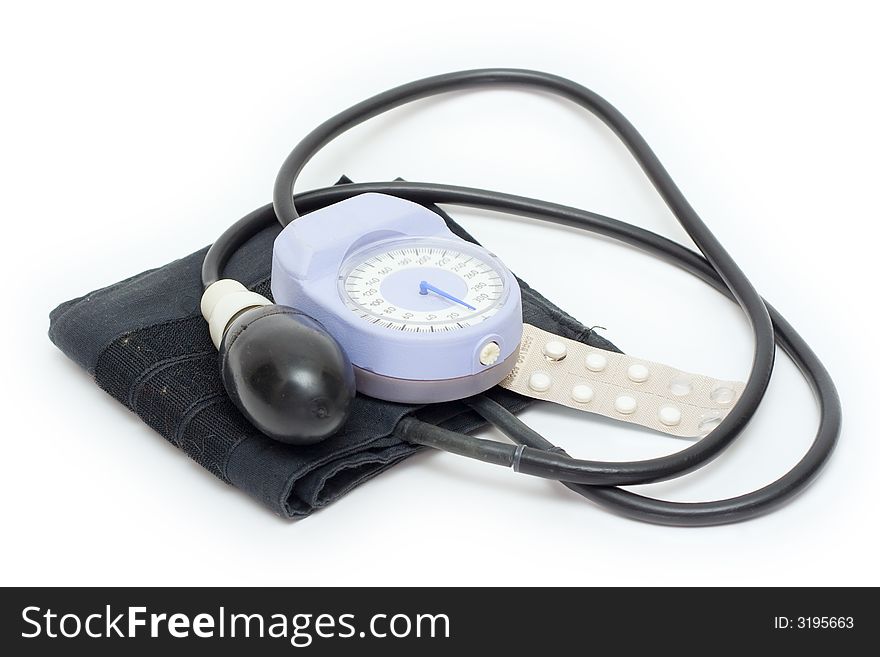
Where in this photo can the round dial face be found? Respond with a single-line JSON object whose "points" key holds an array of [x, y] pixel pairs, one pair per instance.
{"points": [[423, 285]]}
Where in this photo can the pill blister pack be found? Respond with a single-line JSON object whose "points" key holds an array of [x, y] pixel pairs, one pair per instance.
{"points": [[619, 386]]}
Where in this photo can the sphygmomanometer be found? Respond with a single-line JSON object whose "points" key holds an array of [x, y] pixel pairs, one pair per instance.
{"points": [[382, 307]]}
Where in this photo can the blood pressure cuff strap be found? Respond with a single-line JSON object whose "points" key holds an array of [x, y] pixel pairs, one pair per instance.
{"points": [[146, 343]]}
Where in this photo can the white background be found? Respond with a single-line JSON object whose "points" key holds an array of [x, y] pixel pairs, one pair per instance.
{"points": [[134, 134]]}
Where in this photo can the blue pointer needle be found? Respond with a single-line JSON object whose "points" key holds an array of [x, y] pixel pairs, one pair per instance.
{"points": [[425, 287]]}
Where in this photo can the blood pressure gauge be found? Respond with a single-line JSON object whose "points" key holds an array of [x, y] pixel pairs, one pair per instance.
{"points": [[423, 315], [423, 284]]}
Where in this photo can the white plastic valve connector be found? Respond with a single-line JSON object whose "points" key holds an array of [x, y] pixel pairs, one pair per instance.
{"points": [[222, 301]]}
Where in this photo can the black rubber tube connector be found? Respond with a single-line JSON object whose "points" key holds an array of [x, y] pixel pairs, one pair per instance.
{"points": [[594, 480]]}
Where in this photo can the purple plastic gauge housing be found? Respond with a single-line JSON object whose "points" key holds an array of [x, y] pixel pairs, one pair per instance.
{"points": [[395, 365]]}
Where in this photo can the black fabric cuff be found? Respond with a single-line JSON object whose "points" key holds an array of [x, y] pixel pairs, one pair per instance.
{"points": [[146, 343]]}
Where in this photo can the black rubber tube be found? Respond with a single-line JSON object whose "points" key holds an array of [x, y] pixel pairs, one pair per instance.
{"points": [[715, 267]]}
